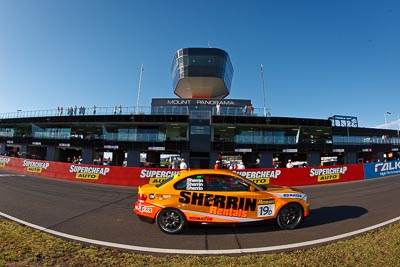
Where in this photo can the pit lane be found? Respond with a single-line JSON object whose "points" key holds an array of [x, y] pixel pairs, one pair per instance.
{"points": [[103, 215]]}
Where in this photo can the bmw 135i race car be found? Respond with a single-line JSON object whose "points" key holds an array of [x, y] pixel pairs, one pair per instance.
{"points": [[218, 196]]}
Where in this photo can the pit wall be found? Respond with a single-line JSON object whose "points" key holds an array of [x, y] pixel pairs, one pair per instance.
{"points": [[131, 176]]}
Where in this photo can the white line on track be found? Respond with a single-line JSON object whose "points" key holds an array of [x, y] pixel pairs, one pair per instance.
{"points": [[200, 251]]}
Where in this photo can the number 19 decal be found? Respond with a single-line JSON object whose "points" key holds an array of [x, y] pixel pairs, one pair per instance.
{"points": [[266, 210]]}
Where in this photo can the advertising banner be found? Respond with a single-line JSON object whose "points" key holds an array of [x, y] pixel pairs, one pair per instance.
{"points": [[305, 176], [132, 176], [381, 169]]}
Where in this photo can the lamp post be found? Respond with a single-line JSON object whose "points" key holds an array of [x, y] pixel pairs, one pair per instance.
{"points": [[386, 113], [140, 86], [263, 86], [398, 124]]}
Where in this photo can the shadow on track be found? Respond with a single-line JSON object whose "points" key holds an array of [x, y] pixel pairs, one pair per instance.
{"points": [[320, 216], [327, 215]]}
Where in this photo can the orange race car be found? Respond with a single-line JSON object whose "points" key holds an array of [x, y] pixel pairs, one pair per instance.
{"points": [[218, 196]]}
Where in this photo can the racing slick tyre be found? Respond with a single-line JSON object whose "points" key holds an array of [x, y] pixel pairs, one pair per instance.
{"points": [[170, 221], [290, 216]]}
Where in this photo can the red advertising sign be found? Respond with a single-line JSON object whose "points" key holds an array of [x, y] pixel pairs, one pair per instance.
{"points": [[131, 176]]}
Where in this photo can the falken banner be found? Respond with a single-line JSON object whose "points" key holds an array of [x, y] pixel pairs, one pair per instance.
{"points": [[381, 169]]}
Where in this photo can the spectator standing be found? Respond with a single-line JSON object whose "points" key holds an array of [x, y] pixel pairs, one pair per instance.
{"points": [[218, 107], [183, 165], [245, 110], [94, 109], [175, 164], [241, 166], [251, 109], [289, 164], [216, 165]]}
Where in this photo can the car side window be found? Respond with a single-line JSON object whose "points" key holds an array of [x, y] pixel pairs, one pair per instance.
{"points": [[194, 183], [225, 183]]}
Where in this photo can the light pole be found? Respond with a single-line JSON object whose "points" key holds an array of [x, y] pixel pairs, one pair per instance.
{"points": [[386, 113], [398, 123], [263, 85], [140, 86]]}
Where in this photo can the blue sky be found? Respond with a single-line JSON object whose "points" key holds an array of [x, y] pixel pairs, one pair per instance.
{"points": [[320, 57]]}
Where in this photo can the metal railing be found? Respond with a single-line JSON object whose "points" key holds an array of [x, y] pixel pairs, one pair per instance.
{"points": [[120, 110], [365, 140]]}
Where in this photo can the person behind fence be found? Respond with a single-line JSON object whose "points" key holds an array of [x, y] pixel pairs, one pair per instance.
{"points": [[183, 165], [289, 164], [251, 109], [245, 110], [217, 165], [241, 166]]}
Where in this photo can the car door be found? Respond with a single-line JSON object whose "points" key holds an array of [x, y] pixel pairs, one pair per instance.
{"points": [[236, 200]]}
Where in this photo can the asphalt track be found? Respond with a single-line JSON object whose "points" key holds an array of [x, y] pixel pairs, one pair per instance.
{"points": [[103, 215]]}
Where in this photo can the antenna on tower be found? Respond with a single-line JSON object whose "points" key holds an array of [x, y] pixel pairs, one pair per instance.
{"points": [[263, 87], [138, 93]]}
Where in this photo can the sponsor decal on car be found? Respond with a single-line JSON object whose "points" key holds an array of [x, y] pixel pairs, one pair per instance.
{"points": [[328, 174], [200, 218], [266, 207], [144, 209], [291, 195], [219, 204]]}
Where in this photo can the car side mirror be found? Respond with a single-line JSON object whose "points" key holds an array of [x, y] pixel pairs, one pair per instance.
{"points": [[252, 188]]}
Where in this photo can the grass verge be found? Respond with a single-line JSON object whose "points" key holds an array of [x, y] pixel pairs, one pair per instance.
{"points": [[23, 246]]}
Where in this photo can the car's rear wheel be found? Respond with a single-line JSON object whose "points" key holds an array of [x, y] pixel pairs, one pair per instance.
{"points": [[290, 216], [171, 221]]}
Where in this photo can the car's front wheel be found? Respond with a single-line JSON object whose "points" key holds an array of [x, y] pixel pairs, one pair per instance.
{"points": [[171, 221], [290, 216]]}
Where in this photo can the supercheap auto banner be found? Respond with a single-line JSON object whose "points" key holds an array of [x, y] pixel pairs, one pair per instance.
{"points": [[381, 169], [75, 172], [305, 176], [132, 176]]}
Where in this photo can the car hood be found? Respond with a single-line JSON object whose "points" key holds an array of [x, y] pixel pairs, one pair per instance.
{"points": [[282, 189]]}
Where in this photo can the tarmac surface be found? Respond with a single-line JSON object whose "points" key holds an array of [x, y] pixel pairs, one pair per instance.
{"points": [[103, 215]]}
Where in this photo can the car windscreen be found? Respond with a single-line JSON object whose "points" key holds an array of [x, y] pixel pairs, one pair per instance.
{"points": [[261, 186]]}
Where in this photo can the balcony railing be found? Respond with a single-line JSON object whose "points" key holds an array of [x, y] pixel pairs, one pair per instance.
{"points": [[284, 140], [365, 140], [119, 110]]}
